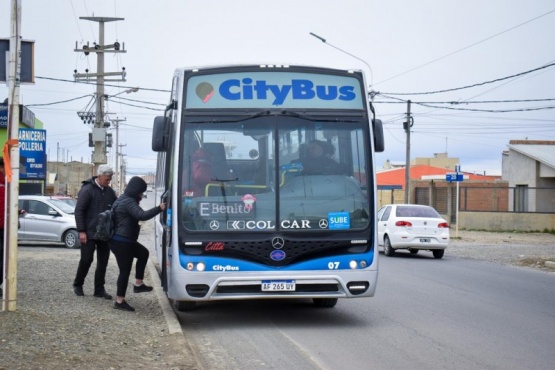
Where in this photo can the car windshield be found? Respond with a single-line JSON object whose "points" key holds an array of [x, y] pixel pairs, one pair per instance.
{"points": [[406, 211], [63, 206], [71, 201]]}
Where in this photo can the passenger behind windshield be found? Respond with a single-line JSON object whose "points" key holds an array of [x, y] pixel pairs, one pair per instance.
{"points": [[201, 173], [319, 160]]}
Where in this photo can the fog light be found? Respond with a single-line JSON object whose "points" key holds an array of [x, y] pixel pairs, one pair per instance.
{"points": [[353, 264], [363, 264], [201, 266], [190, 266]]}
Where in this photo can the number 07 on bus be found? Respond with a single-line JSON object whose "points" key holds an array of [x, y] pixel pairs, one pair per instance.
{"points": [[268, 176]]}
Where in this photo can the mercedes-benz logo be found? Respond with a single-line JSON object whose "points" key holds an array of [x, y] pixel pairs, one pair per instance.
{"points": [[278, 243], [214, 225], [323, 223]]}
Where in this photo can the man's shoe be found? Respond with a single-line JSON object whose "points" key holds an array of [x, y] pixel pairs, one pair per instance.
{"points": [[124, 306], [78, 290], [141, 288], [103, 294]]}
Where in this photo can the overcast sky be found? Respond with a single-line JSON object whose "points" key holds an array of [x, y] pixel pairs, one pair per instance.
{"points": [[411, 47]]}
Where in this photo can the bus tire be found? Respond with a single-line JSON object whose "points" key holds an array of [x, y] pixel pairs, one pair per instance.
{"points": [[184, 306], [438, 253], [324, 302], [387, 248]]}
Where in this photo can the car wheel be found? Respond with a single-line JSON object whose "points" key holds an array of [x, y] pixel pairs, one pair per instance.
{"points": [[438, 253], [387, 249], [71, 239], [413, 251], [324, 302], [184, 306]]}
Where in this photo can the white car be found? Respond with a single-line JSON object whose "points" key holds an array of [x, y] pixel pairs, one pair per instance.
{"points": [[413, 227], [47, 219]]}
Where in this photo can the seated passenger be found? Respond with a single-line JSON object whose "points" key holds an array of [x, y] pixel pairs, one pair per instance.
{"points": [[201, 172], [319, 161]]}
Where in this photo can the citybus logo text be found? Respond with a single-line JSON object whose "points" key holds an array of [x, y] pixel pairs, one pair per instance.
{"points": [[225, 268], [247, 89]]}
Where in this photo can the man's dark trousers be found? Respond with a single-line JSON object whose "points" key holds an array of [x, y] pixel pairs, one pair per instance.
{"points": [[87, 257]]}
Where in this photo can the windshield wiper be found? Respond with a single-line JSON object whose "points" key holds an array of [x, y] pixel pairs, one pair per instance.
{"points": [[255, 115], [314, 119]]}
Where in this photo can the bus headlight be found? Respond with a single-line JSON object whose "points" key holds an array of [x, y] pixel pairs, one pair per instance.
{"points": [[201, 266], [353, 264]]}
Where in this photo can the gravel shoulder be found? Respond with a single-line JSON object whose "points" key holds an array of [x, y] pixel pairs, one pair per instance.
{"points": [[54, 329], [518, 249]]}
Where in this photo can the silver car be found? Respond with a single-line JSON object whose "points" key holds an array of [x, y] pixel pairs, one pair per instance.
{"points": [[47, 219]]}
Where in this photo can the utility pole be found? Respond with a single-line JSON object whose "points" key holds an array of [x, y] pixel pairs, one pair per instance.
{"points": [[12, 167], [116, 124], [407, 125], [121, 171], [100, 125]]}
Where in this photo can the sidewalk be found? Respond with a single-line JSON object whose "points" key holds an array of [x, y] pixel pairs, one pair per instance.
{"points": [[52, 328]]}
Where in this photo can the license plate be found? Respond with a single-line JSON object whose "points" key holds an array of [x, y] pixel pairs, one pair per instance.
{"points": [[278, 285], [425, 240]]}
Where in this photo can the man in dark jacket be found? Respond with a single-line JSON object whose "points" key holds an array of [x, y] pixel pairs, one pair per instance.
{"points": [[95, 196]]}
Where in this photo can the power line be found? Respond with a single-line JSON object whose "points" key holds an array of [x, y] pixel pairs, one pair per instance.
{"points": [[474, 85], [58, 102], [106, 85], [469, 46]]}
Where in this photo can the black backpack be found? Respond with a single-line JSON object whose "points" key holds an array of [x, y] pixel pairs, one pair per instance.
{"points": [[105, 226]]}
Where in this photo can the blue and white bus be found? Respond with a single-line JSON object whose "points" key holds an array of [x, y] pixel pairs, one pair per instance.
{"points": [[266, 222]]}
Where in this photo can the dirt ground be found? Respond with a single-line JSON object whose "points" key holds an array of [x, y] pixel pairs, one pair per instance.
{"points": [[518, 249]]}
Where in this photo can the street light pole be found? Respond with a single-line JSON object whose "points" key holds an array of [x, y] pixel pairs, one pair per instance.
{"points": [[346, 52]]}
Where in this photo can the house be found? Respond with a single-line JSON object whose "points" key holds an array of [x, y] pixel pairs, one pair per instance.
{"points": [[529, 168], [428, 185]]}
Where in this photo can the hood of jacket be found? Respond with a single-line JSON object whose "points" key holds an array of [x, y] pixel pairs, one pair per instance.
{"points": [[135, 187]]}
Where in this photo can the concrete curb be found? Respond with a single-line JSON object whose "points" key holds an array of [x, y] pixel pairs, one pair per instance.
{"points": [[174, 327]]}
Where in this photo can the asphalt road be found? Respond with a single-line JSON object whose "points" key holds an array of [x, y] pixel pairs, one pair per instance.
{"points": [[427, 314]]}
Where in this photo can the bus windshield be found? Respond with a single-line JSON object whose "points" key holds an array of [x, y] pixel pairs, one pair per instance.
{"points": [[275, 172]]}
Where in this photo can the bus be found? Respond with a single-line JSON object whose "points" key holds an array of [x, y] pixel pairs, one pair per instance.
{"points": [[268, 176]]}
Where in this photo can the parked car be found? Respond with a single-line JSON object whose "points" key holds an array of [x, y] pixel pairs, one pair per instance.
{"points": [[413, 227], [47, 219], [65, 198]]}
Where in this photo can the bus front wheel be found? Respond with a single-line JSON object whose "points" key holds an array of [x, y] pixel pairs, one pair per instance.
{"points": [[324, 302]]}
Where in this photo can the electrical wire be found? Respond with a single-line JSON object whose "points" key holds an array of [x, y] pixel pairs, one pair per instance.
{"points": [[474, 85], [58, 102]]}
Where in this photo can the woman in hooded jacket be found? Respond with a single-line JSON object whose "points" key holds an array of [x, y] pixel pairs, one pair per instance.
{"points": [[126, 215]]}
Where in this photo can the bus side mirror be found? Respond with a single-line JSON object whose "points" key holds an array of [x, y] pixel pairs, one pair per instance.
{"points": [[379, 142], [160, 134]]}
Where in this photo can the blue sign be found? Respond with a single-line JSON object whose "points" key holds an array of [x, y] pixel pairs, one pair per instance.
{"points": [[274, 89], [454, 177], [339, 220], [32, 154], [3, 115]]}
